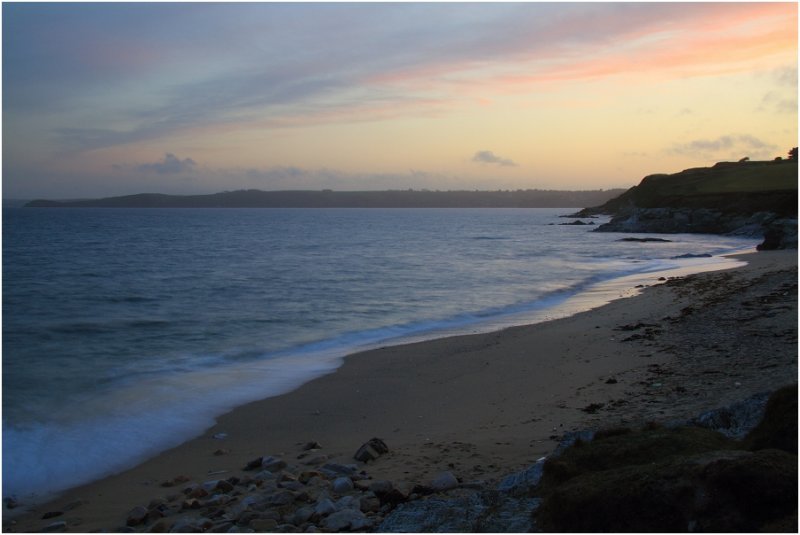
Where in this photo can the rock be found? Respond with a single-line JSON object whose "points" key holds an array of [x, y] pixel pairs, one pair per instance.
{"points": [[645, 240], [224, 486], [51, 514], [324, 507], [690, 255], [400, 492], [342, 485], [282, 497], [478, 512], [255, 464], [217, 500], [197, 492], [369, 503], [136, 516], [523, 482], [162, 526], [291, 485], [668, 479], [10, 502], [737, 419], [263, 525], [444, 481], [381, 486], [273, 464], [778, 427], [302, 515], [334, 470], [153, 515], [347, 502], [265, 475], [307, 475], [175, 481], [313, 445], [55, 527], [371, 450], [185, 525], [578, 222], [780, 234], [191, 503], [316, 460], [208, 486], [348, 519]]}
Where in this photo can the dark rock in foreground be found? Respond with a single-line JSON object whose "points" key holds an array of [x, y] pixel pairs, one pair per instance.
{"points": [[680, 479]]}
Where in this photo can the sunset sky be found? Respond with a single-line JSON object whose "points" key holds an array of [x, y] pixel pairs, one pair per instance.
{"points": [[110, 99]]}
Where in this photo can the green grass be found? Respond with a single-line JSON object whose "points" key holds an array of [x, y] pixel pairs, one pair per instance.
{"points": [[727, 178]]}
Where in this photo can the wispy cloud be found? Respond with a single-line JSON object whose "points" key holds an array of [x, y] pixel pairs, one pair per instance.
{"points": [[728, 145], [487, 156], [335, 60]]}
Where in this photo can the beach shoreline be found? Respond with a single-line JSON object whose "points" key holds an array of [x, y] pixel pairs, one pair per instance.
{"points": [[484, 405]]}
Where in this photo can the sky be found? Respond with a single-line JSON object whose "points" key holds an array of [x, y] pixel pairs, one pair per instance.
{"points": [[104, 99]]}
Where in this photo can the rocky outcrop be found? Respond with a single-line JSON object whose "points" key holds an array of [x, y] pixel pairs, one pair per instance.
{"points": [[667, 220], [743, 199]]}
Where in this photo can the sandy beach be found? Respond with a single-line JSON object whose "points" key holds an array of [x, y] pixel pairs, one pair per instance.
{"points": [[485, 405]]}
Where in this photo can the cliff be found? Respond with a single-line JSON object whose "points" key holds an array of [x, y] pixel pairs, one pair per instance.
{"points": [[742, 198]]}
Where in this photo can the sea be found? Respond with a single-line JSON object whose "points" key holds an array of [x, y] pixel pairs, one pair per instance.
{"points": [[127, 331]]}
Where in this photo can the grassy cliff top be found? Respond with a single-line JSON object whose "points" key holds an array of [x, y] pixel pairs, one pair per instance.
{"points": [[724, 185]]}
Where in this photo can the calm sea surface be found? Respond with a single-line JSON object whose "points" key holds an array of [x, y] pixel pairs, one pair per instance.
{"points": [[126, 332]]}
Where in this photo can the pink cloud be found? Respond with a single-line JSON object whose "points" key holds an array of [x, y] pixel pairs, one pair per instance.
{"points": [[660, 41]]}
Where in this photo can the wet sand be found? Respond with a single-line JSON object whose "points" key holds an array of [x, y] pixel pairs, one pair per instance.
{"points": [[485, 405]]}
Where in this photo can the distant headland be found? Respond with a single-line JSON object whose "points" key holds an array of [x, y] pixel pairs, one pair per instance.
{"points": [[253, 198]]}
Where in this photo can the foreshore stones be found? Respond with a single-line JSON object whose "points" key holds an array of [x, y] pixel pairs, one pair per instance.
{"points": [[277, 496]]}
